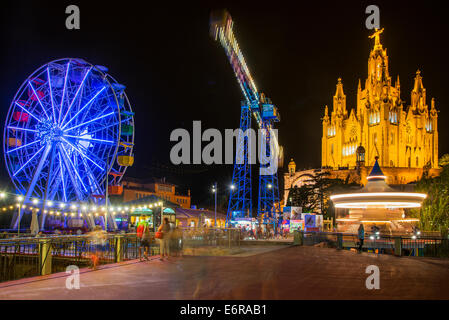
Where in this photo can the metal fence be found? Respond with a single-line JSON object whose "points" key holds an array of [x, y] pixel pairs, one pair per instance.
{"points": [[404, 245], [213, 237], [22, 257], [27, 257]]}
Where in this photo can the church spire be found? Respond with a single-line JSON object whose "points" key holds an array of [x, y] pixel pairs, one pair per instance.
{"points": [[418, 94], [398, 84], [339, 91], [339, 100]]}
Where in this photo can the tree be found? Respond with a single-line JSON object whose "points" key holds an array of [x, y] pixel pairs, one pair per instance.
{"points": [[434, 212], [314, 194]]}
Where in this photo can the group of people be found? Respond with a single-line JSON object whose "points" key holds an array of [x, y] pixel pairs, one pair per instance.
{"points": [[259, 233], [169, 237]]}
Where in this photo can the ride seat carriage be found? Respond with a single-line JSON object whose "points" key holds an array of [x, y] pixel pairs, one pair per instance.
{"points": [[36, 83], [125, 161], [14, 142], [127, 130], [115, 190], [269, 111]]}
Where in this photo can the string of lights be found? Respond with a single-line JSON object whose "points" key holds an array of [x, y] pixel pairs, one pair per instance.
{"points": [[72, 209]]}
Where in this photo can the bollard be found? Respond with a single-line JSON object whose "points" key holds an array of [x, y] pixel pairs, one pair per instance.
{"points": [[339, 241], [45, 256], [398, 246], [118, 248]]}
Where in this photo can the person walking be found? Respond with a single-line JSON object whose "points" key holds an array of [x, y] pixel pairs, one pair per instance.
{"points": [[164, 228], [98, 239], [176, 238], [361, 235]]}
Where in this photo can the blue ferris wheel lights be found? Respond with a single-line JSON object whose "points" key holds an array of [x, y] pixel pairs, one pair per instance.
{"points": [[63, 92], [63, 133], [20, 169], [92, 120], [76, 94], [65, 155], [89, 139], [83, 155], [24, 109], [38, 99], [51, 93], [64, 195], [24, 146], [82, 109], [22, 129]]}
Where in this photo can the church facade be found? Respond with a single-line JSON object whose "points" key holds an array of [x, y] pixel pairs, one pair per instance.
{"points": [[404, 137], [401, 136]]}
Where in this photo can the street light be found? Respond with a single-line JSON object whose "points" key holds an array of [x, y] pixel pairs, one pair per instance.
{"points": [[214, 190], [19, 200]]}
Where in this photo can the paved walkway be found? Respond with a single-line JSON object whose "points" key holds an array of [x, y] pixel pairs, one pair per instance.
{"points": [[286, 273]]}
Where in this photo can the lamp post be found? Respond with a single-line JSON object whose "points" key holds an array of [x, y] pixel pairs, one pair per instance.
{"points": [[107, 193], [161, 204], [214, 190], [19, 201]]}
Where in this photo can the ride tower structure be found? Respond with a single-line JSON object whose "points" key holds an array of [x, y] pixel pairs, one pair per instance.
{"points": [[265, 114]]}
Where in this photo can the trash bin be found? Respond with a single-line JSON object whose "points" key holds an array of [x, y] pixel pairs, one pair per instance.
{"points": [[298, 238]]}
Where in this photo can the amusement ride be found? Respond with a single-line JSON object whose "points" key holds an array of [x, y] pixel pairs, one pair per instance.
{"points": [[68, 136], [266, 115]]}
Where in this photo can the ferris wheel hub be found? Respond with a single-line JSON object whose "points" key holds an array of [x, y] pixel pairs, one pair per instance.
{"points": [[48, 131]]}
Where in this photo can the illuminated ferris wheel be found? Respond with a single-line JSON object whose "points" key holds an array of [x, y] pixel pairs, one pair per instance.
{"points": [[69, 126]]}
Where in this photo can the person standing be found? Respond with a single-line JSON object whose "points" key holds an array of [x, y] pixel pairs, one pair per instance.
{"points": [[145, 242], [164, 228], [361, 235]]}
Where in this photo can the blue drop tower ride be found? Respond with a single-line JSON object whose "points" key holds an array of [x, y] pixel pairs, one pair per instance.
{"points": [[265, 114]]}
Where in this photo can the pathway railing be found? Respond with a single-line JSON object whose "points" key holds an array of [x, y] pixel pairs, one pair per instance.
{"points": [[400, 245], [22, 257], [27, 257]]}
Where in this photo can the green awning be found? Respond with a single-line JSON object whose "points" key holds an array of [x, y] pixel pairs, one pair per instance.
{"points": [[169, 211], [142, 211]]}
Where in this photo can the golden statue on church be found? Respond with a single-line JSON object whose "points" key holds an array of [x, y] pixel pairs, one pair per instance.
{"points": [[376, 35]]}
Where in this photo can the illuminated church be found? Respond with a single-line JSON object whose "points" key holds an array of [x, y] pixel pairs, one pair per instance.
{"points": [[404, 138], [401, 136]]}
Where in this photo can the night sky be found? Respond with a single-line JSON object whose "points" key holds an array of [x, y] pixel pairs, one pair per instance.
{"points": [[175, 73]]}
